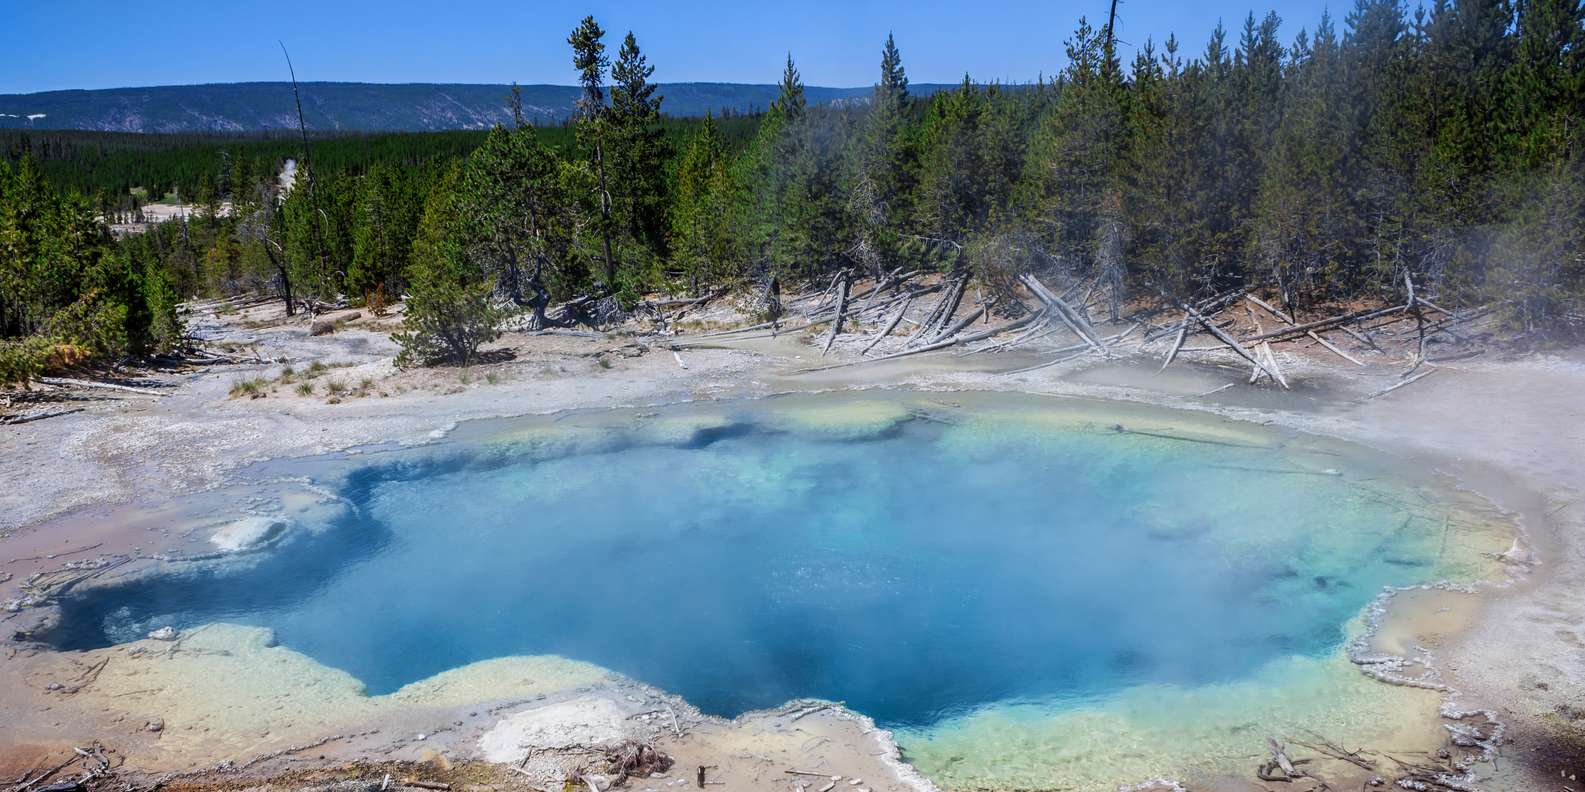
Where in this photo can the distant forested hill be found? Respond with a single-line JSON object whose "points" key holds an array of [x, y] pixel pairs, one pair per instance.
{"points": [[252, 107]]}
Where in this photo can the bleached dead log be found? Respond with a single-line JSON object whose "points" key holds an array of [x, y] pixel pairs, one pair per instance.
{"points": [[896, 278], [1177, 343], [1360, 337], [64, 382], [1209, 306], [1232, 343], [934, 318], [1409, 381], [831, 287], [842, 310], [1271, 363], [1265, 352], [1335, 321], [1080, 350], [954, 341], [1281, 756], [961, 324], [1271, 309], [37, 415], [1286, 319], [890, 326], [1033, 331], [1064, 312], [1334, 349]]}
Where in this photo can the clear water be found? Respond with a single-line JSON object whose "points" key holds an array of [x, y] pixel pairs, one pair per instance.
{"points": [[918, 570]]}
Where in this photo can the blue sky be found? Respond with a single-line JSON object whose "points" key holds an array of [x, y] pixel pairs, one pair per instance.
{"points": [[77, 44]]}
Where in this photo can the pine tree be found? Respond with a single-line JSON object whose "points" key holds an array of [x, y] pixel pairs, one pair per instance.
{"points": [[1301, 231], [589, 58], [790, 100], [810, 234], [303, 244], [450, 310], [1069, 194], [955, 193], [639, 153], [884, 169], [893, 87], [382, 232], [1546, 84], [516, 219], [699, 214]]}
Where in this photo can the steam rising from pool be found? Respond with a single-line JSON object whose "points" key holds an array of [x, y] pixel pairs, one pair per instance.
{"points": [[957, 574]]}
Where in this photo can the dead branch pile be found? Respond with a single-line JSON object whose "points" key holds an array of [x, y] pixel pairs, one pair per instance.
{"points": [[893, 316], [634, 759]]}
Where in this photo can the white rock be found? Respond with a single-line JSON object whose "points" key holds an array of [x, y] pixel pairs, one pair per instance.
{"points": [[166, 633], [247, 533], [592, 720]]}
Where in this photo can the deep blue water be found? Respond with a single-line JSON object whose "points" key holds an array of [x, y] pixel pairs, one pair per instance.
{"points": [[912, 574]]}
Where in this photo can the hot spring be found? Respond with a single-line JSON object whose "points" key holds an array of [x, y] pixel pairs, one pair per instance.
{"points": [[1023, 589]]}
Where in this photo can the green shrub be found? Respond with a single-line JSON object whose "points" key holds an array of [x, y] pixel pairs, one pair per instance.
{"points": [[95, 325], [24, 358], [446, 322]]}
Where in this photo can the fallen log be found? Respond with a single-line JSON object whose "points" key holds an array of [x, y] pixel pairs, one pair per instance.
{"points": [[1335, 321], [1177, 343], [64, 382], [1221, 335], [38, 415], [896, 278], [890, 326], [954, 341], [1209, 306], [1078, 324], [1265, 352], [842, 310], [1281, 757], [818, 319], [1409, 381], [1081, 349], [1286, 319], [934, 317], [962, 324], [1041, 322]]}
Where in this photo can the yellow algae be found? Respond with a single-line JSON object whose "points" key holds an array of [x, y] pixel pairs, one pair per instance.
{"points": [[681, 428], [229, 688], [1152, 731], [842, 419]]}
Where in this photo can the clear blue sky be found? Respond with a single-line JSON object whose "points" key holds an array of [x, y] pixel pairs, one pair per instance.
{"points": [[78, 44]]}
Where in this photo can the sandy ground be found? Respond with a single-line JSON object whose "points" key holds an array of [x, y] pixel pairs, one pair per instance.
{"points": [[101, 480]]}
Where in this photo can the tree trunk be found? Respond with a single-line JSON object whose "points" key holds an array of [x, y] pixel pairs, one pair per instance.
{"points": [[605, 214], [286, 279]]}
